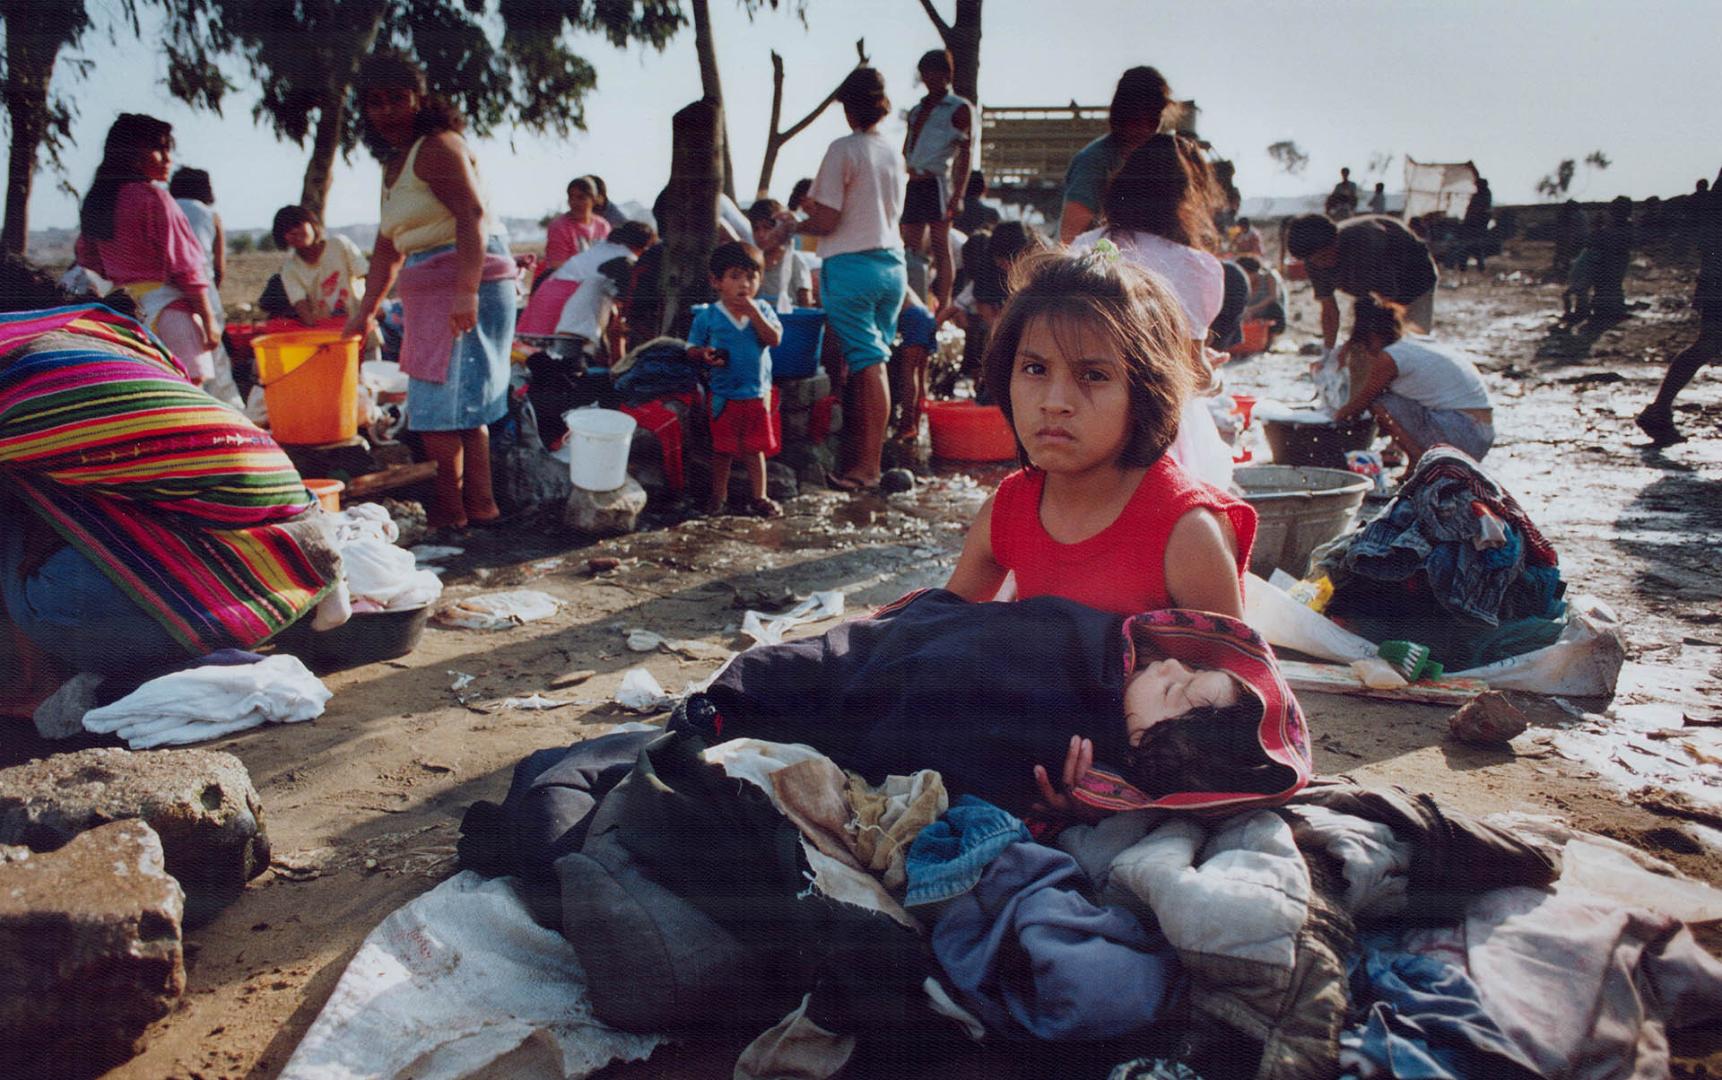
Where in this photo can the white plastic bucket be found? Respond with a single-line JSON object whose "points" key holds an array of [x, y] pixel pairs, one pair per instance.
{"points": [[598, 442]]}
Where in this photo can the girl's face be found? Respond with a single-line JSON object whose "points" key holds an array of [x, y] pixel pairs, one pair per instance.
{"points": [[155, 163], [391, 110], [1166, 689], [579, 202], [300, 236], [1069, 398]]}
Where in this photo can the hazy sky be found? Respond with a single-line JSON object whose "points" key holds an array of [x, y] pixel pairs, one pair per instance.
{"points": [[1514, 85]]}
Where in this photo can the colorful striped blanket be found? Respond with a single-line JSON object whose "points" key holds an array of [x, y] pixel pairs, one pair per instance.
{"points": [[190, 508]]}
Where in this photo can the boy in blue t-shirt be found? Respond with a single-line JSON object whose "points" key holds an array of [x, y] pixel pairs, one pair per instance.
{"points": [[735, 336]]}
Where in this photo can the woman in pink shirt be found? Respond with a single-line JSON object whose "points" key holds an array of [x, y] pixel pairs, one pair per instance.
{"points": [[578, 229], [134, 234]]}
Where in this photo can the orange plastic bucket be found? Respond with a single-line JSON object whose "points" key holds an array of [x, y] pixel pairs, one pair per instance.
{"points": [[965, 431], [310, 382], [328, 493], [1256, 333]]}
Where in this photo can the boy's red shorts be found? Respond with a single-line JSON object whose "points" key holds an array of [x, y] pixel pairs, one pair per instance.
{"points": [[746, 427]]}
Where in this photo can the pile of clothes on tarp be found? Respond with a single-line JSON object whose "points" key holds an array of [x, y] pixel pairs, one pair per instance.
{"points": [[844, 913], [756, 888], [1453, 563]]}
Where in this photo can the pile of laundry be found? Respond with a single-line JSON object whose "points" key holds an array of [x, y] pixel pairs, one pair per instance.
{"points": [[376, 573], [756, 889], [226, 691], [1453, 563]]}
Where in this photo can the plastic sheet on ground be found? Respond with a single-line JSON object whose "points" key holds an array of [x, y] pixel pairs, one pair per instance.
{"points": [[498, 611], [461, 982], [769, 629], [206, 702], [1585, 661]]}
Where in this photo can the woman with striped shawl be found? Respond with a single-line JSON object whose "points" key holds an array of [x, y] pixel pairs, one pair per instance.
{"points": [[143, 522]]}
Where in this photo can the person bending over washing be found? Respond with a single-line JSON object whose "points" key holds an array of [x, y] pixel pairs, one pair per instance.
{"points": [[1089, 362], [1175, 709], [1421, 393], [324, 274]]}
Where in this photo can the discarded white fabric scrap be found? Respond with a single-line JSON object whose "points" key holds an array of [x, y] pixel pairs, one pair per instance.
{"points": [[827, 604], [457, 983], [202, 703], [640, 640], [498, 611], [536, 701], [641, 692]]}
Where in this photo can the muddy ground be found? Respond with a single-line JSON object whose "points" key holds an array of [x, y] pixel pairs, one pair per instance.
{"points": [[364, 804]]}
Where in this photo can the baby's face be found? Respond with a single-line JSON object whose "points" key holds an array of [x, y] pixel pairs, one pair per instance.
{"points": [[1166, 689]]}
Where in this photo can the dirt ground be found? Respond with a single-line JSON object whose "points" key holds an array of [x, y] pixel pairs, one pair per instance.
{"points": [[364, 804]]}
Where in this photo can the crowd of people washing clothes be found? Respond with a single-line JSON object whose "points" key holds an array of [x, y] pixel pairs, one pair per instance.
{"points": [[1118, 840]]}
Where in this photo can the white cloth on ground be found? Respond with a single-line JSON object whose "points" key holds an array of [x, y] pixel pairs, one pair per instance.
{"points": [[202, 703], [1376, 864], [461, 982], [1241, 893], [1585, 987]]}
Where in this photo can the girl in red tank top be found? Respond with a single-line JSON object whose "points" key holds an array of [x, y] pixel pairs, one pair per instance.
{"points": [[1092, 354]]}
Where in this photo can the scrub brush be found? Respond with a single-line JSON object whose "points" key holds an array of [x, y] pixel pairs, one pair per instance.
{"points": [[1410, 660]]}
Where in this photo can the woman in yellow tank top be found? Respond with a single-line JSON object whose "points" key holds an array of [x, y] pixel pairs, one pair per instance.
{"points": [[440, 247]]}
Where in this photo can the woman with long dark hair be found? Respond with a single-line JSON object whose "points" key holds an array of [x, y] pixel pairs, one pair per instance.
{"points": [[448, 255], [1160, 216], [132, 233]]}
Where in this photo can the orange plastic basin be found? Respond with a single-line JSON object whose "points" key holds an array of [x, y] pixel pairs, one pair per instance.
{"points": [[965, 431], [328, 493]]}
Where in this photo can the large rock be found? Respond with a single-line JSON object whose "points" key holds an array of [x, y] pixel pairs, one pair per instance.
{"points": [[605, 513], [91, 939], [200, 802], [798, 395], [527, 478], [1491, 718]]}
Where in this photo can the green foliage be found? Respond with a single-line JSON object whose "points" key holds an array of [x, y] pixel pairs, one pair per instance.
{"points": [[37, 34], [502, 62], [1289, 156], [241, 243], [1556, 184]]}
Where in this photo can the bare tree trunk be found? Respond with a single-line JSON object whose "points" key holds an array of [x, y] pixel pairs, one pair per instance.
{"points": [[319, 172], [963, 38], [332, 111], [711, 88], [690, 212], [27, 75], [775, 138]]}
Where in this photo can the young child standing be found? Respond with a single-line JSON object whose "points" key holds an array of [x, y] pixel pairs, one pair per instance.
{"points": [[937, 152], [1093, 354], [735, 335], [787, 281]]}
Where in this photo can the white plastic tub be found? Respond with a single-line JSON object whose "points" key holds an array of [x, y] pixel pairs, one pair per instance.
{"points": [[598, 442]]}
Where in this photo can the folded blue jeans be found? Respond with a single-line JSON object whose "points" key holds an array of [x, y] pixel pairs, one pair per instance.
{"points": [[948, 856]]}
